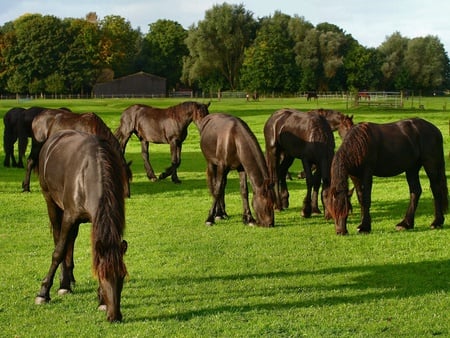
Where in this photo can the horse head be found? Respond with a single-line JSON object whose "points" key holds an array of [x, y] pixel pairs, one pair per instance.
{"points": [[200, 111], [338, 206], [346, 123], [111, 279], [263, 202]]}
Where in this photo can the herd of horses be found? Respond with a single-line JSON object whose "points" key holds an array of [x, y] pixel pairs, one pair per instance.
{"points": [[84, 176]]}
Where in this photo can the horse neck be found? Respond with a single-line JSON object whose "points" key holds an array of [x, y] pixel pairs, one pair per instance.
{"points": [[339, 173], [254, 163]]}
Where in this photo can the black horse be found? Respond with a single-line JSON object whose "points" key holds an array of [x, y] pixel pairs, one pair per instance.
{"points": [[387, 150], [228, 143], [156, 125], [51, 121], [291, 134], [82, 180], [10, 136]]}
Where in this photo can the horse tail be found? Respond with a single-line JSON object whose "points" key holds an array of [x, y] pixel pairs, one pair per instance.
{"points": [[109, 221]]}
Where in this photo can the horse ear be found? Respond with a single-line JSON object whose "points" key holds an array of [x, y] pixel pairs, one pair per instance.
{"points": [[124, 246], [209, 103]]}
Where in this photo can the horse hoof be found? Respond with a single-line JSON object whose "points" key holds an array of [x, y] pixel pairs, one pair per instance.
{"points": [[40, 300], [62, 292], [363, 231], [436, 226], [102, 307], [209, 223]]}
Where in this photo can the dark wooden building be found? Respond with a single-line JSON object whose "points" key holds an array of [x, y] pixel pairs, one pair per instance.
{"points": [[135, 85]]}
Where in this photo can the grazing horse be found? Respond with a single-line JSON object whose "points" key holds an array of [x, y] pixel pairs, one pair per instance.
{"points": [[156, 125], [291, 134], [82, 180], [50, 121], [228, 143], [387, 150], [10, 136], [311, 95], [337, 121]]}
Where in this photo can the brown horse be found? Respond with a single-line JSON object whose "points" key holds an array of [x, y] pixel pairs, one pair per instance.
{"points": [[10, 136], [51, 121], [228, 143], [291, 134], [156, 125], [337, 121], [387, 150], [82, 180]]}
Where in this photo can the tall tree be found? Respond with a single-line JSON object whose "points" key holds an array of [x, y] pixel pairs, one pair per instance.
{"points": [[426, 62], [163, 50], [39, 44], [395, 75], [270, 62], [119, 44], [216, 46]]}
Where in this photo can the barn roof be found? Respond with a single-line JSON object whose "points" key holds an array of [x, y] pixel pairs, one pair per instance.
{"points": [[138, 84]]}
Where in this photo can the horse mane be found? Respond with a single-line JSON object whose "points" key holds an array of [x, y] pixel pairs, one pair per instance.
{"points": [[108, 223], [350, 154], [259, 160]]}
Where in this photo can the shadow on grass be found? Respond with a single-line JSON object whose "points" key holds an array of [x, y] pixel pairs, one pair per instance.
{"points": [[362, 284]]}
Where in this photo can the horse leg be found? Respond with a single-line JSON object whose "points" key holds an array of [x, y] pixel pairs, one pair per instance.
{"points": [[364, 191], [307, 205], [315, 191], [8, 146], [60, 232], [67, 279], [32, 161], [217, 178], [438, 184], [283, 168], [247, 217], [148, 167], [175, 151], [23, 143], [415, 190], [272, 159]]}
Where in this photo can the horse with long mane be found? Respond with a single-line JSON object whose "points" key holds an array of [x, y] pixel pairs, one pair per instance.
{"points": [[10, 136], [51, 121], [82, 180], [227, 144], [387, 150], [157, 125], [291, 134], [337, 121]]}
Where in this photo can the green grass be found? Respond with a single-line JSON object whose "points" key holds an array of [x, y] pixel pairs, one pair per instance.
{"points": [[229, 280]]}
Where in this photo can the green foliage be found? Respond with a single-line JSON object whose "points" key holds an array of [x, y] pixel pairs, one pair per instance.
{"points": [[229, 280], [163, 49], [217, 45]]}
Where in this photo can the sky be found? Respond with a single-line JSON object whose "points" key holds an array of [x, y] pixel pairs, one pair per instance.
{"points": [[369, 22]]}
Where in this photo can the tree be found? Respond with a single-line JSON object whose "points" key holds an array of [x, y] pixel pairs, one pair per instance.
{"points": [[119, 45], [270, 62], [81, 62], [163, 50], [426, 62], [393, 69], [38, 45], [216, 46], [362, 67]]}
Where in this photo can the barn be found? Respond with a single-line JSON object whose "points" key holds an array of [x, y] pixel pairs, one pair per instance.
{"points": [[140, 84]]}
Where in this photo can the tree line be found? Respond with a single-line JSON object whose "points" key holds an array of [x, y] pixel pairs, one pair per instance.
{"points": [[229, 49]]}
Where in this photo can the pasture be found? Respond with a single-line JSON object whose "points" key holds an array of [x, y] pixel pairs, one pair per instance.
{"points": [[229, 280]]}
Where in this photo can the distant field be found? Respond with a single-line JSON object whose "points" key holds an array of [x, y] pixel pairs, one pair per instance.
{"points": [[229, 280]]}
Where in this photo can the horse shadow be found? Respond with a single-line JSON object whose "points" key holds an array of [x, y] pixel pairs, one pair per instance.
{"points": [[370, 283]]}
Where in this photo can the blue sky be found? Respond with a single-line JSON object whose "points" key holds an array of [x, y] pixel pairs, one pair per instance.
{"points": [[369, 22]]}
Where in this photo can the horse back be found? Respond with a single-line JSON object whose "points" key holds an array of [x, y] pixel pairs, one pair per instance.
{"points": [[69, 172]]}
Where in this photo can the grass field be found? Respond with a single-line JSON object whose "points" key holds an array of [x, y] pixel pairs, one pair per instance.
{"points": [[229, 280]]}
